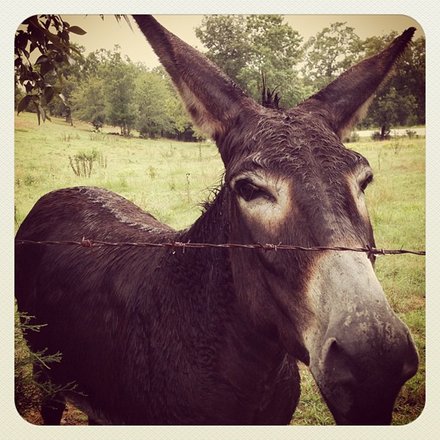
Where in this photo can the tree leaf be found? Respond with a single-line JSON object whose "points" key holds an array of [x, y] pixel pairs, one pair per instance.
{"points": [[23, 104], [46, 67], [77, 30], [42, 59], [21, 40], [49, 94], [29, 87]]}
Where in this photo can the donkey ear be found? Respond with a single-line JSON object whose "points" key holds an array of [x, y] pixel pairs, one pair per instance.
{"points": [[344, 102], [211, 98]]}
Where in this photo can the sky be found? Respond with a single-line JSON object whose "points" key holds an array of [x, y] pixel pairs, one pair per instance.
{"points": [[108, 32]]}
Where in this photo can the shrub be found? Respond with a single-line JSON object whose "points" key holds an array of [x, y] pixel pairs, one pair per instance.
{"points": [[377, 136], [82, 162], [30, 387], [411, 133], [354, 137]]}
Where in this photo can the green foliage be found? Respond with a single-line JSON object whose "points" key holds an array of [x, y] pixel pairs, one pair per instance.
{"points": [[119, 92], [329, 53], [107, 89], [391, 109], [50, 35], [114, 91], [401, 101], [274, 51], [82, 162], [248, 47], [226, 38], [88, 102], [31, 386], [154, 100]]}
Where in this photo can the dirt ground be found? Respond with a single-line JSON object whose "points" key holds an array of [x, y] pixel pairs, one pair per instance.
{"points": [[71, 416]]}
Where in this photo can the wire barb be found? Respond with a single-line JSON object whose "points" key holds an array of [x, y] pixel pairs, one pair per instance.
{"points": [[89, 243]]}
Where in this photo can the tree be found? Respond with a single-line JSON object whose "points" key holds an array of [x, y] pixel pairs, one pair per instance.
{"points": [[247, 48], [119, 92], [89, 102], [50, 35], [411, 80], [31, 387], [402, 100], [226, 38], [274, 53], [106, 92], [329, 53], [152, 98], [66, 78], [391, 108]]}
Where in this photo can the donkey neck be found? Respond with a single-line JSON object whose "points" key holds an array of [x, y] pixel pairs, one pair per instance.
{"points": [[212, 226], [218, 277]]}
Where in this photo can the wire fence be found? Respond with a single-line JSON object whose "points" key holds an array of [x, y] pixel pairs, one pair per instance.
{"points": [[89, 243]]}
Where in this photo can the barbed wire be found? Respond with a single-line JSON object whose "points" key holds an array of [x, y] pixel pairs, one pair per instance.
{"points": [[89, 243]]}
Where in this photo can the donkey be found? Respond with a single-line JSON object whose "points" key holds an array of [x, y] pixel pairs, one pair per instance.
{"points": [[213, 336]]}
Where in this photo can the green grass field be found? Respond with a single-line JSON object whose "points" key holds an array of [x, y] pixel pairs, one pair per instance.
{"points": [[171, 180]]}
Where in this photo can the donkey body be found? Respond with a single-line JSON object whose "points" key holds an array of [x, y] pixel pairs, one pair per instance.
{"points": [[213, 336]]}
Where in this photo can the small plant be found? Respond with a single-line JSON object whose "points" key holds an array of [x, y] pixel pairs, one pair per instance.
{"points": [[411, 133], [82, 163], [152, 172], [379, 157], [65, 137], [29, 180], [30, 387], [102, 160], [397, 144], [105, 138], [168, 153], [354, 137], [378, 136], [188, 183], [96, 136]]}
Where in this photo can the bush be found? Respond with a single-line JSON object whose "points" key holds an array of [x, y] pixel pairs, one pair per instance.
{"points": [[28, 391], [377, 136], [354, 137], [31, 388], [82, 162]]}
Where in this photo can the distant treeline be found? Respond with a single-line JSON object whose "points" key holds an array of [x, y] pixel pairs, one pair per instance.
{"points": [[106, 88]]}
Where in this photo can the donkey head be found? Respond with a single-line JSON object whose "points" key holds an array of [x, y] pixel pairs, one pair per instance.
{"points": [[290, 180]]}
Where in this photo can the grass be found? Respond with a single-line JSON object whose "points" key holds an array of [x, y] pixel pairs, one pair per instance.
{"points": [[396, 201], [171, 179]]}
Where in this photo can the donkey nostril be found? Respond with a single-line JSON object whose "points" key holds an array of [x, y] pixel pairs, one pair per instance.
{"points": [[361, 372], [337, 362], [351, 360], [340, 383]]}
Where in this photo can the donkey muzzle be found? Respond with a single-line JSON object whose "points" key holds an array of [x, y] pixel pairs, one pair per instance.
{"points": [[360, 373], [361, 353]]}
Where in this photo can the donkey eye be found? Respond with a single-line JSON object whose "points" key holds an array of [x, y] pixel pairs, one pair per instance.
{"points": [[248, 191], [365, 182]]}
